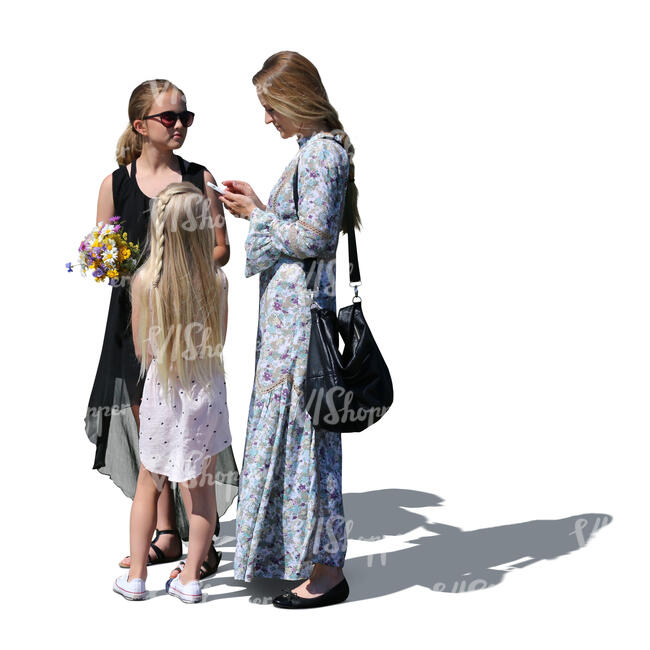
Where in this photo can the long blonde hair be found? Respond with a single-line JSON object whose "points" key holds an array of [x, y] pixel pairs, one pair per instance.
{"points": [[291, 85], [129, 146], [179, 292]]}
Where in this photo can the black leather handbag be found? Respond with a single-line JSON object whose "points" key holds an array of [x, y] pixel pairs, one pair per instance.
{"points": [[351, 390]]}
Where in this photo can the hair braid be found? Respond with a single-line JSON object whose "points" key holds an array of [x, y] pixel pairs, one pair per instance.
{"points": [[160, 238], [347, 143], [351, 218]]}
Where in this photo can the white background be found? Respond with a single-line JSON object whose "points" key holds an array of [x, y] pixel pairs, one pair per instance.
{"points": [[502, 163]]}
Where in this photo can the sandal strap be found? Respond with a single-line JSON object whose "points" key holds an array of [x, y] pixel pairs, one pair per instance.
{"points": [[206, 569], [159, 554], [175, 533]]}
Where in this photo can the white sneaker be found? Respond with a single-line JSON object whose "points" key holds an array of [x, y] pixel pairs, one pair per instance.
{"points": [[189, 593], [130, 589]]}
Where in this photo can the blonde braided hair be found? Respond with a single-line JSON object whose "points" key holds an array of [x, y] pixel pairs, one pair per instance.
{"points": [[159, 230], [180, 292]]}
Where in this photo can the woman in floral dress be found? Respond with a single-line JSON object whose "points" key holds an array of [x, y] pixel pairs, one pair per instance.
{"points": [[290, 520]]}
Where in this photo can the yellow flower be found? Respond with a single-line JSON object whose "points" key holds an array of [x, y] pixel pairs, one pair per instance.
{"points": [[126, 254], [112, 273]]}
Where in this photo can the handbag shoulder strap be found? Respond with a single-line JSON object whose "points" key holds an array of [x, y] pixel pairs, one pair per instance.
{"points": [[355, 273]]}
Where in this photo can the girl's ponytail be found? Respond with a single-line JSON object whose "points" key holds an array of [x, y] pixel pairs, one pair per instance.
{"points": [[129, 146]]}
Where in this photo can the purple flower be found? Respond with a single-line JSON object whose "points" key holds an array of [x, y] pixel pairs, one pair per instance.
{"points": [[114, 219], [116, 229], [98, 272], [69, 267]]}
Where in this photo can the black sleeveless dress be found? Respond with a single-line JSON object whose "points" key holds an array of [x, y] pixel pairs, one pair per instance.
{"points": [[110, 423]]}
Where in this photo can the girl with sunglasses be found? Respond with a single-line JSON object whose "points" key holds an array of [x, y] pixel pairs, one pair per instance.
{"points": [[158, 123]]}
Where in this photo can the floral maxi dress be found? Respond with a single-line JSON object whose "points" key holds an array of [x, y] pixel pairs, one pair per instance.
{"points": [[290, 503]]}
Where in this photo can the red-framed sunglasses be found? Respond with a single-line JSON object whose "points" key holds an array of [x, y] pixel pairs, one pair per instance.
{"points": [[169, 118]]}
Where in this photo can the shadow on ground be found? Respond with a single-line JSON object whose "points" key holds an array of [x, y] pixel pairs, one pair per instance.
{"points": [[450, 559]]}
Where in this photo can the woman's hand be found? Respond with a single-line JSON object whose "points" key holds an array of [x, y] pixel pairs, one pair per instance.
{"points": [[240, 187], [238, 204]]}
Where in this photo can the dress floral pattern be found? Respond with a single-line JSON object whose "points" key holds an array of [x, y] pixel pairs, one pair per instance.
{"points": [[290, 503]]}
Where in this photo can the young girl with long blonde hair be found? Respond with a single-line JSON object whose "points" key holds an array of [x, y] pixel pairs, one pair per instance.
{"points": [[179, 318]]}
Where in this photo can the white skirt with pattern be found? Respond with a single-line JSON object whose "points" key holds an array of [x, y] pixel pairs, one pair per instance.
{"points": [[177, 437]]}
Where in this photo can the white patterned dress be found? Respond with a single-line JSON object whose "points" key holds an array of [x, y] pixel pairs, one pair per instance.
{"points": [[290, 504]]}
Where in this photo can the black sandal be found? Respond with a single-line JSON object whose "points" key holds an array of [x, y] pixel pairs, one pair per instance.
{"points": [[209, 567], [160, 558]]}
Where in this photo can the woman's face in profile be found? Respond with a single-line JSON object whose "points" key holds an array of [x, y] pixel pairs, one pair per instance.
{"points": [[283, 124]]}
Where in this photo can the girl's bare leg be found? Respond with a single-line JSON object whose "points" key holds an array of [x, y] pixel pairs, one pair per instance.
{"points": [[202, 515], [143, 520], [187, 501], [166, 515]]}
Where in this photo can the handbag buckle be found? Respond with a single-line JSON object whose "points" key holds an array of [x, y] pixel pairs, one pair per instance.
{"points": [[357, 297]]}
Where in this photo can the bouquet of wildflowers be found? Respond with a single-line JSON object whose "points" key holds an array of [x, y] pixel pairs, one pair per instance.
{"points": [[107, 253]]}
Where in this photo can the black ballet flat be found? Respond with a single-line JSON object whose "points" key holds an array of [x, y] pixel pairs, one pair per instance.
{"points": [[337, 594]]}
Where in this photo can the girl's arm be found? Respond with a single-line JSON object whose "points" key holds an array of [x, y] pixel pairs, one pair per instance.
{"points": [[222, 248], [137, 287], [105, 207], [135, 313], [225, 308], [322, 181]]}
